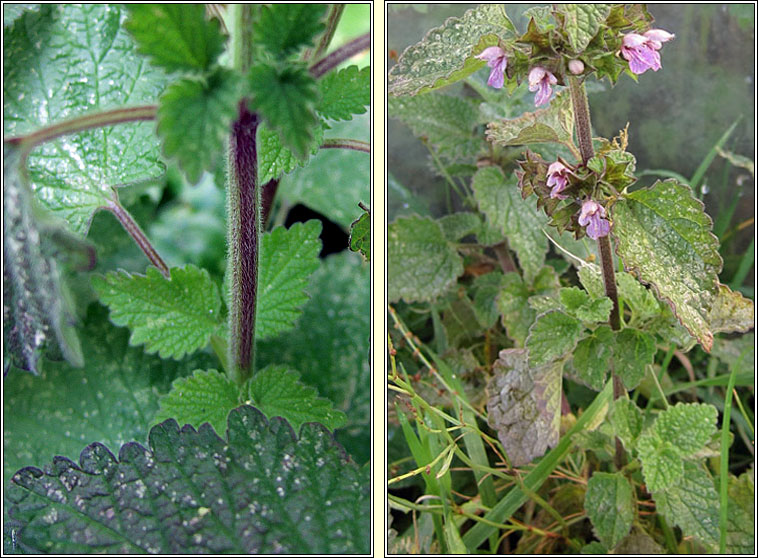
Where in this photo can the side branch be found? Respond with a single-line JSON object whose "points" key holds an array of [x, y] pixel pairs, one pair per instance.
{"points": [[339, 143], [343, 53], [134, 230]]}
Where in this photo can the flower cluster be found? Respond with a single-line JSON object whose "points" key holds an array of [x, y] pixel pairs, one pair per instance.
{"points": [[642, 50], [592, 216], [557, 179]]}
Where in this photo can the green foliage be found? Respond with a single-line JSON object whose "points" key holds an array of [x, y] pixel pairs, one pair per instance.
{"points": [[360, 235], [626, 420], [610, 506], [740, 531], [286, 98], [344, 93], [579, 305], [172, 317], [284, 28], [592, 357], [274, 159], [298, 494], [187, 41], [287, 259], [633, 352], [194, 118], [582, 22], [553, 336], [515, 299]]}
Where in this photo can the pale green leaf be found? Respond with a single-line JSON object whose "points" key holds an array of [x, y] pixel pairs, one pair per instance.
{"points": [[194, 118], [610, 506], [287, 259], [740, 530], [111, 399], [664, 237], [345, 93], [360, 235], [578, 304], [626, 419], [687, 426], [639, 544], [458, 225], [553, 336], [206, 396], [634, 350], [276, 392], [274, 159], [662, 466], [67, 60], [692, 505], [172, 317], [554, 123], [11, 12], [487, 288], [284, 28], [582, 22], [524, 405], [731, 312], [500, 200], [286, 99], [446, 53], [513, 303], [177, 37], [422, 264], [592, 357]]}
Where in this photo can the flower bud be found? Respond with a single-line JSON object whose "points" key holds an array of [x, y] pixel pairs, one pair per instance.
{"points": [[576, 67]]}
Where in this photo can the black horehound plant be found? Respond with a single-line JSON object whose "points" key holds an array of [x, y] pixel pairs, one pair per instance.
{"points": [[93, 95], [467, 299]]}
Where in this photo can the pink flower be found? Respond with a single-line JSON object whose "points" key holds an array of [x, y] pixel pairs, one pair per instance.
{"points": [[557, 177], [495, 58], [540, 80], [642, 50], [592, 216]]}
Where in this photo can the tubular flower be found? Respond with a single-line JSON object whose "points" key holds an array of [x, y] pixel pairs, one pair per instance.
{"points": [[557, 178], [592, 216], [642, 50], [540, 81], [496, 59]]}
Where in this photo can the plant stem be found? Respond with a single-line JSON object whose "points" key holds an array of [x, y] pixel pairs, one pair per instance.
{"points": [[134, 230], [340, 143], [335, 13], [244, 202], [584, 138], [343, 53], [84, 122], [241, 23]]}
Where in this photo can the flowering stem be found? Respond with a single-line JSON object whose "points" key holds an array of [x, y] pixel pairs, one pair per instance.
{"points": [[343, 53], [134, 230], [584, 137]]}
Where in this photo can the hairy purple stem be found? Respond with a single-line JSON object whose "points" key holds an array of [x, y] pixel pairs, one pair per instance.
{"points": [[244, 229], [336, 58], [134, 230]]}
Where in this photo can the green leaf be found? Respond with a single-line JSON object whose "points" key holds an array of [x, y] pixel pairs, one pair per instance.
{"points": [[260, 490], [731, 312], [634, 350], [360, 235], [687, 426], [640, 300], [592, 357], [331, 346], [578, 304], [458, 225], [639, 544], [287, 259], [64, 61], [286, 98], [422, 264], [581, 23], [609, 506], [446, 54], [345, 93], [276, 392], [524, 405], [177, 37], [662, 466], [284, 28], [514, 301], [500, 200], [692, 505], [553, 336], [274, 159], [194, 118], [626, 419], [444, 121], [554, 123], [36, 303], [172, 317], [740, 530], [664, 237], [315, 185], [487, 288], [111, 399], [206, 396], [12, 12]]}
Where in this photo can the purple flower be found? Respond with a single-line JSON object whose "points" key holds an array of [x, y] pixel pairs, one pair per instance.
{"points": [[540, 80], [557, 177], [642, 50], [495, 58], [592, 216]]}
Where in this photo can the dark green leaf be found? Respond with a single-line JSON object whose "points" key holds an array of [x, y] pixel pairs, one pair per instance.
{"points": [[261, 490], [740, 530], [578, 304], [286, 98], [609, 506], [633, 352], [581, 24], [446, 54], [284, 28], [592, 357], [176, 36], [553, 336], [345, 93], [274, 159], [360, 235], [194, 118], [524, 405], [422, 264]]}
